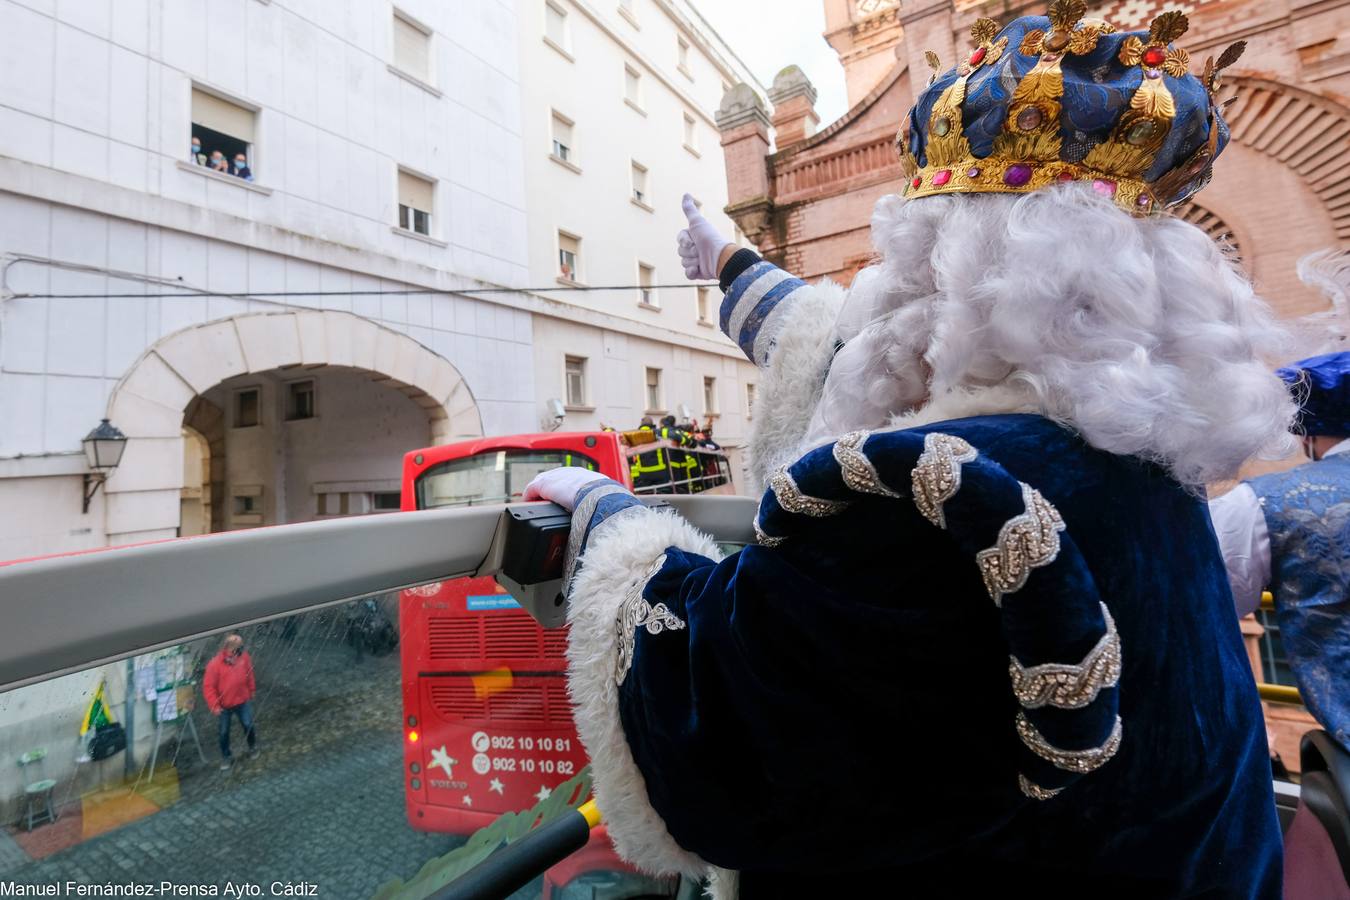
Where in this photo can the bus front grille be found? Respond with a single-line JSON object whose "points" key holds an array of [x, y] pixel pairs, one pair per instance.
{"points": [[493, 637]]}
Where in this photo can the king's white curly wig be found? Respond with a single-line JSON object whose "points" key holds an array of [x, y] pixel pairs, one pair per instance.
{"points": [[1136, 333]]}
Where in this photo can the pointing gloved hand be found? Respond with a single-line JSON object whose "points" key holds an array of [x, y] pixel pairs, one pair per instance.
{"points": [[561, 485], [700, 244]]}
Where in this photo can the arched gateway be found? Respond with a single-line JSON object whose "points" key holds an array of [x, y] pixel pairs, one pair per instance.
{"points": [[150, 401]]}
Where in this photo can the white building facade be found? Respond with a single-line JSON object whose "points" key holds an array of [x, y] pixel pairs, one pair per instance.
{"points": [[617, 124], [384, 157]]}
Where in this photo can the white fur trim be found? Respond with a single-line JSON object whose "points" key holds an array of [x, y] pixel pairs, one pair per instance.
{"points": [[617, 557], [791, 384], [723, 884]]}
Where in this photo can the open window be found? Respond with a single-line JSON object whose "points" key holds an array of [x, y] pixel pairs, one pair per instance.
{"points": [[569, 257], [640, 193], [224, 131], [646, 289]]}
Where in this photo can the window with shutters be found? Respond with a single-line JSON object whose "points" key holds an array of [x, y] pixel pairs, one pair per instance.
{"points": [[690, 134], [416, 202], [640, 195], [682, 57], [412, 47], [709, 396], [562, 138], [555, 27], [574, 370], [646, 291], [224, 131], [653, 394], [632, 87], [703, 304], [749, 401], [569, 257]]}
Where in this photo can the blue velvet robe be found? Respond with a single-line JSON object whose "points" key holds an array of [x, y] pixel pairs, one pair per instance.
{"points": [[832, 715]]}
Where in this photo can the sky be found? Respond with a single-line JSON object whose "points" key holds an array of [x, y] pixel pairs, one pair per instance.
{"points": [[770, 34]]}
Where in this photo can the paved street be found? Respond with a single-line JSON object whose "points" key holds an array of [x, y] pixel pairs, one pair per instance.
{"points": [[322, 803]]}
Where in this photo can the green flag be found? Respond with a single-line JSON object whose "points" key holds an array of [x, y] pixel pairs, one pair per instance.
{"points": [[97, 714]]}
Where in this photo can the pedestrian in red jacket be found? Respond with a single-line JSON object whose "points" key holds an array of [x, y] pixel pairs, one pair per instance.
{"points": [[229, 688]]}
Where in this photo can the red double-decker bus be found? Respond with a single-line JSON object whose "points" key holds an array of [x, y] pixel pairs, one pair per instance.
{"points": [[488, 726]]}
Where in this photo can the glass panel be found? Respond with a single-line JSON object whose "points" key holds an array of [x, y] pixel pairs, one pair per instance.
{"points": [[499, 476], [575, 372], [365, 744]]}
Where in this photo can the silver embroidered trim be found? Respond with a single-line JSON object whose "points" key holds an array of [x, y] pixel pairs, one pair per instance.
{"points": [[1080, 761], [1025, 542], [634, 613], [791, 498], [764, 538], [937, 475], [858, 472], [581, 520], [1034, 790], [1070, 686]]}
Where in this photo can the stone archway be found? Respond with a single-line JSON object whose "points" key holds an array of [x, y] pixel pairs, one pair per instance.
{"points": [[151, 400]]}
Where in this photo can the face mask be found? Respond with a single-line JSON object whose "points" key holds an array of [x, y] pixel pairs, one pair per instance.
{"points": [[196, 148], [241, 163]]}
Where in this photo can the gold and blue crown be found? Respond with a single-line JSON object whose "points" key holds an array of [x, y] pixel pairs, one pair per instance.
{"points": [[1058, 98]]}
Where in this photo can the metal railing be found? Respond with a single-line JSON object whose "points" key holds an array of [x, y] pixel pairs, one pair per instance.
{"points": [[1276, 693], [66, 613]]}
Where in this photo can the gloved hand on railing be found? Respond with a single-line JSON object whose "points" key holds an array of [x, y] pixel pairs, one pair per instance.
{"points": [[700, 245], [561, 485]]}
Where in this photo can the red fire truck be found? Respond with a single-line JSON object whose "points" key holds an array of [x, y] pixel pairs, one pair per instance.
{"points": [[488, 727]]}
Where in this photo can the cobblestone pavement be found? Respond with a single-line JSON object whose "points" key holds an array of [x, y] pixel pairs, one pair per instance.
{"points": [[322, 803]]}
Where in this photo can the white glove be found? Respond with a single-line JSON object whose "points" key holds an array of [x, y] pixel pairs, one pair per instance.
{"points": [[561, 485], [700, 244]]}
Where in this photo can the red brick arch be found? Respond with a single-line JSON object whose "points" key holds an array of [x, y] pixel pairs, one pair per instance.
{"points": [[1304, 131]]}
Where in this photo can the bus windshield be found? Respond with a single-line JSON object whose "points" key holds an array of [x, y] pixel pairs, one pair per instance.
{"points": [[498, 476]]}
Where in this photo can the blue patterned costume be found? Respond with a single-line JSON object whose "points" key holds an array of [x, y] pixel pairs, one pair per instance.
{"points": [[1307, 512], [954, 659]]}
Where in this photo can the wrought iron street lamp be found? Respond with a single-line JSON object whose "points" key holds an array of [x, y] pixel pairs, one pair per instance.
{"points": [[103, 449]]}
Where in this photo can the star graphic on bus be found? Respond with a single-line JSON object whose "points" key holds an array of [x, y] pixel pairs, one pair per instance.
{"points": [[440, 758], [468, 801], [543, 793], [496, 785]]}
